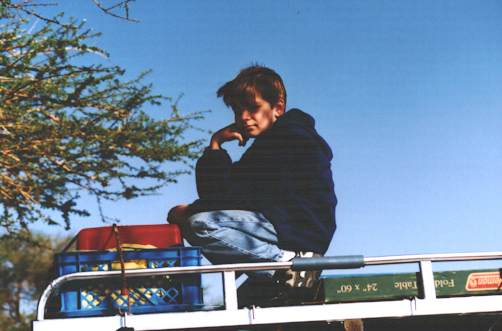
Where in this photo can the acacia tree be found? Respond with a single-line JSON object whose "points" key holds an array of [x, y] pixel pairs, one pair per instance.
{"points": [[72, 125]]}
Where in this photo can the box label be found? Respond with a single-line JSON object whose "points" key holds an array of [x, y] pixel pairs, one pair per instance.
{"points": [[407, 285], [484, 281]]}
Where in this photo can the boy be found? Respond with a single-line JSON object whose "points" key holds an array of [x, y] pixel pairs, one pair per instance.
{"points": [[278, 200]]}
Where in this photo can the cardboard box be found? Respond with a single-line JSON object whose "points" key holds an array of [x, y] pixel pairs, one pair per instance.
{"points": [[376, 287]]}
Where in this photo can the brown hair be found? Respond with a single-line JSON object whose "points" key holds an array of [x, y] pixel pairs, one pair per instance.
{"points": [[251, 82]]}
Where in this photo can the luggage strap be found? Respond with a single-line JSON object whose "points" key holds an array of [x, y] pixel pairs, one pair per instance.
{"points": [[125, 289]]}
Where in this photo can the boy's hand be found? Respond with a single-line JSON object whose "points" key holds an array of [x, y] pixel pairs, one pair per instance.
{"points": [[228, 133], [178, 214]]}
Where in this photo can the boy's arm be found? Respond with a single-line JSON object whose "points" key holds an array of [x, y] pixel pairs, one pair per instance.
{"points": [[212, 172], [213, 168]]}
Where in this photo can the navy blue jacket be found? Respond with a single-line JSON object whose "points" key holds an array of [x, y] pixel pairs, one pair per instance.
{"points": [[285, 174]]}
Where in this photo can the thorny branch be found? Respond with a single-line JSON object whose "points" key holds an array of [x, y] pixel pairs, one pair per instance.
{"points": [[120, 5], [117, 9]]}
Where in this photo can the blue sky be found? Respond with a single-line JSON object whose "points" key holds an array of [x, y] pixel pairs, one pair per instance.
{"points": [[407, 93]]}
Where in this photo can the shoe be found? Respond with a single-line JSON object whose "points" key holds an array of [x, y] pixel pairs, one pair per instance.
{"points": [[299, 279], [259, 292], [284, 288], [296, 287]]}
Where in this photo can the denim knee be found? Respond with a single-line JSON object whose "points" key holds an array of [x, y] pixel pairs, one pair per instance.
{"points": [[201, 226]]}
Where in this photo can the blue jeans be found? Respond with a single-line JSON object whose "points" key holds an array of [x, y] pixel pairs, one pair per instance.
{"points": [[233, 236]]}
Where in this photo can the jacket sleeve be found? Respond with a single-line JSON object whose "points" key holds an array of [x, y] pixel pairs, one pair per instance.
{"points": [[212, 173]]}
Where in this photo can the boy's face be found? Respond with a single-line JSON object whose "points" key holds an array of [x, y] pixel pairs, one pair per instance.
{"points": [[255, 119]]}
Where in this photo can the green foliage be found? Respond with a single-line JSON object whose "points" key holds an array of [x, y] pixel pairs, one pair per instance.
{"points": [[25, 270], [70, 124]]}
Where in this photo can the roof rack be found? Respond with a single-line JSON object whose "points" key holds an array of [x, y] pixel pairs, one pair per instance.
{"points": [[427, 305]]}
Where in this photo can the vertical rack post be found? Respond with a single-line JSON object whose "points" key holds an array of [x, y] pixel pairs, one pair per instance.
{"points": [[427, 277], [230, 290]]}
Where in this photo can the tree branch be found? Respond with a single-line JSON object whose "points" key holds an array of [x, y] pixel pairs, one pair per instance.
{"points": [[108, 10]]}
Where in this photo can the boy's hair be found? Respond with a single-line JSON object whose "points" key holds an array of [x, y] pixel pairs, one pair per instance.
{"points": [[251, 82]]}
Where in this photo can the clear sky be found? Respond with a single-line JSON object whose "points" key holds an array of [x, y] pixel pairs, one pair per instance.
{"points": [[407, 93]]}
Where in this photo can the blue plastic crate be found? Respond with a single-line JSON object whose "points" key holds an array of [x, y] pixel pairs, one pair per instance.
{"points": [[146, 294]]}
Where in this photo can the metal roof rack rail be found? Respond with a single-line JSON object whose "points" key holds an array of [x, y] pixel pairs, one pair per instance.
{"points": [[427, 305]]}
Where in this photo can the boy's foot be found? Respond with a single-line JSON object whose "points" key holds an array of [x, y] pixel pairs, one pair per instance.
{"points": [[298, 279], [296, 287], [269, 293], [285, 287], [258, 291]]}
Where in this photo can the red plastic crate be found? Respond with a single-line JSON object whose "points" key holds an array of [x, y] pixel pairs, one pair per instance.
{"points": [[134, 236]]}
